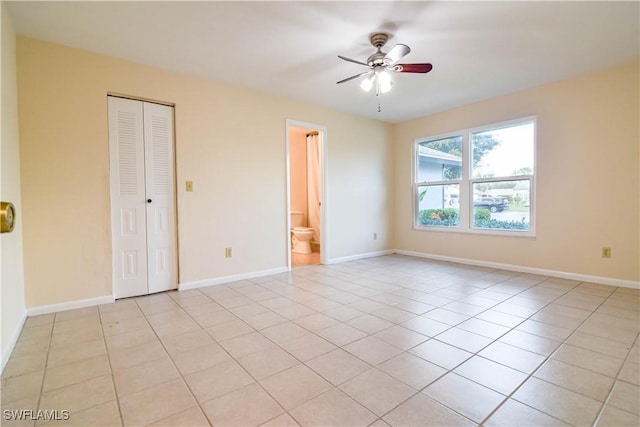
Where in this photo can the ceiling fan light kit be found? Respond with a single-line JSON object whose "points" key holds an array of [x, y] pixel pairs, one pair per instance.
{"points": [[381, 79], [382, 64]]}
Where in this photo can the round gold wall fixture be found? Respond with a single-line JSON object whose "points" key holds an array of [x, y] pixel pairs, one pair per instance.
{"points": [[7, 217]]}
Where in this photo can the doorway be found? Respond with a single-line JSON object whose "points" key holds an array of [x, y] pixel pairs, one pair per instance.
{"points": [[142, 178], [306, 148]]}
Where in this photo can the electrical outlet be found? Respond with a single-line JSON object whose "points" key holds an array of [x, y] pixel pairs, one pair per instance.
{"points": [[227, 252], [606, 252], [375, 236], [189, 185]]}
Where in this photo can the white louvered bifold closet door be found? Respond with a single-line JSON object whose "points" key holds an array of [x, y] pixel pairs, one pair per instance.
{"points": [[142, 197], [160, 183]]}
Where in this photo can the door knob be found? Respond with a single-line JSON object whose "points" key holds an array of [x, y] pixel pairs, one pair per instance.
{"points": [[149, 200]]}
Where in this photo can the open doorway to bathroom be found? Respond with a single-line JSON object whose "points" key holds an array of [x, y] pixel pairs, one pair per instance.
{"points": [[305, 165]]}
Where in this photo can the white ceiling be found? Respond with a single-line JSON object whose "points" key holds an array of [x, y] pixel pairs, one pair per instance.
{"points": [[478, 49]]}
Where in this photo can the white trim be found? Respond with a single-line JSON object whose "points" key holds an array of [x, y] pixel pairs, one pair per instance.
{"points": [[324, 143], [361, 256], [233, 278], [69, 305], [6, 352], [524, 269]]}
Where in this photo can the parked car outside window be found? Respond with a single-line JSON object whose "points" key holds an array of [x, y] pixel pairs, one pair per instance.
{"points": [[494, 204]]}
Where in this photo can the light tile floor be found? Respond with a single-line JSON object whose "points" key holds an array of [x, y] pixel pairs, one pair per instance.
{"points": [[391, 340]]}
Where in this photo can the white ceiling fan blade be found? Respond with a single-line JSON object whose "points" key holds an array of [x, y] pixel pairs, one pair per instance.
{"points": [[354, 77], [352, 60], [396, 54]]}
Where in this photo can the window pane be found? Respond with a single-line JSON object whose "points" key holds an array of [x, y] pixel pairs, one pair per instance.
{"points": [[440, 160], [503, 152], [502, 205], [438, 205]]}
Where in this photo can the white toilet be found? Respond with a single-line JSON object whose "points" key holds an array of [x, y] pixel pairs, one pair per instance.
{"points": [[301, 236]]}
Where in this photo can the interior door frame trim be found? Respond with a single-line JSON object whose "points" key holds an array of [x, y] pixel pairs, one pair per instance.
{"points": [[140, 98], [324, 192]]}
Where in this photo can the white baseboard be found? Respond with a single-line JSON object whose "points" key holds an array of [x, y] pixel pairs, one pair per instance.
{"points": [[361, 256], [523, 269], [70, 305], [6, 352], [227, 279]]}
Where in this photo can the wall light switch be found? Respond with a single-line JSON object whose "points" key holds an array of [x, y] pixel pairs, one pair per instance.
{"points": [[189, 185]]}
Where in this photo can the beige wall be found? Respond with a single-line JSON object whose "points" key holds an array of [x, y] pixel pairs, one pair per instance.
{"points": [[228, 142], [12, 296], [298, 169], [587, 177]]}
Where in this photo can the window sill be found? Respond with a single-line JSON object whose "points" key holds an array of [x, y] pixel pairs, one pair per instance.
{"points": [[482, 232]]}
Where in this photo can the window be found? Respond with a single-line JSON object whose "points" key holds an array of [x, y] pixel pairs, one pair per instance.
{"points": [[477, 180], [439, 171]]}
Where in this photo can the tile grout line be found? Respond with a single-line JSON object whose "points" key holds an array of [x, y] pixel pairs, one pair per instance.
{"points": [[184, 380], [160, 340], [476, 353], [613, 384], [492, 342], [63, 364], [336, 387], [497, 303], [255, 381], [111, 373], [313, 282], [433, 337], [550, 356], [46, 364], [550, 302], [283, 349], [451, 370]]}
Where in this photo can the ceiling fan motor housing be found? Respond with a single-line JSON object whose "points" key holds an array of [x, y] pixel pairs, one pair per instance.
{"points": [[376, 59], [377, 40]]}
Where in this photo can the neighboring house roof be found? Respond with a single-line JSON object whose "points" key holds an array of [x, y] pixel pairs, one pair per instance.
{"points": [[437, 154]]}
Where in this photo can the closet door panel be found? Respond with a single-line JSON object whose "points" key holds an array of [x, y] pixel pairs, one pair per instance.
{"points": [[128, 216], [160, 190]]}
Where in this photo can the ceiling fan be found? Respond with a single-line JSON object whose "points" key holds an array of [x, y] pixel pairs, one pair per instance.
{"points": [[381, 63]]}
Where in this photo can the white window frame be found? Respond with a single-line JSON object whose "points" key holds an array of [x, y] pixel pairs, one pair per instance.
{"points": [[466, 182]]}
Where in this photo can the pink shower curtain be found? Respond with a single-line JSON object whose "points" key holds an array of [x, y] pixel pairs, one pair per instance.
{"points": [[314, 168]]}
